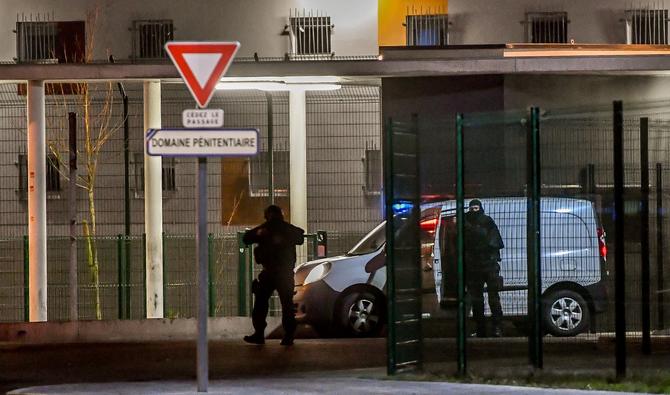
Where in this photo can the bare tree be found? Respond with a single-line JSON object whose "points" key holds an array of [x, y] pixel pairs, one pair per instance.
{"points": [[96, 107]]}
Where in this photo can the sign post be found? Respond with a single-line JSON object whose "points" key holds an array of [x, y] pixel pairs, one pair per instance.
{"points": [[201, 65]]}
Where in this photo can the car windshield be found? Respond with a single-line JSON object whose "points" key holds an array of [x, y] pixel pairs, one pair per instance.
{"points": [[371, 242]]}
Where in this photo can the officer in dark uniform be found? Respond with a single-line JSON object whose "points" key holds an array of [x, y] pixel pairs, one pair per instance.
{"points": [[482, 256], [276, 241]]}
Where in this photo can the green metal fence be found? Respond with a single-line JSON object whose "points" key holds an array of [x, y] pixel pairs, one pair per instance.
{"points": [[571, 301], [120, 291]]}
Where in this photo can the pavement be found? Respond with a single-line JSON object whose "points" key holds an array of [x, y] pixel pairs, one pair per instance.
{"points": [[297, 385], [323, 366]]}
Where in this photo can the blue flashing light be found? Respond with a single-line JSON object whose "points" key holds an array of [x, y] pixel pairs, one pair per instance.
{"points": [[402, 207]]}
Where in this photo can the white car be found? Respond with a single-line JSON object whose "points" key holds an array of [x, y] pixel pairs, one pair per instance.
{"points": [[346, 294]]}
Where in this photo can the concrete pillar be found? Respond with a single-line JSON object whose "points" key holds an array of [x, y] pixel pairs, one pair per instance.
{"points": [[37, 202], [153, 205], [298, 157], [298, 163]]}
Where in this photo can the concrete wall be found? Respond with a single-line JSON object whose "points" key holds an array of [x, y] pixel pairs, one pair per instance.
{"points": [[257, 24], [487, 22], [556, 91]]}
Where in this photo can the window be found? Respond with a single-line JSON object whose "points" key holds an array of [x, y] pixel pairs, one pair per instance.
{"points": [[51, 42], [53, 173], [309, 35], [53, 182], [149, 38], [647, 26], [259, 167], [373, 171], [427, 29], [546, 27], [168, 174]]}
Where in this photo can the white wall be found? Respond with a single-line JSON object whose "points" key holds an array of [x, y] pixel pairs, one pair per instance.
{"points": [[257, 24], [492, 22]]}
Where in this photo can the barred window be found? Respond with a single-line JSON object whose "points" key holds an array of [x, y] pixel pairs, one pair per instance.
{"points": [[53, 173], [546, 27], [168, 174], [53, 181], [427, 29], [149, 38], [310, 35], [373, 171], [50, 42], [647, 26], [259, 167]]}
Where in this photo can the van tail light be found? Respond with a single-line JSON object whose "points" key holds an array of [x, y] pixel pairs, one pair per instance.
{"points": [[428, 225], [602, 244]]}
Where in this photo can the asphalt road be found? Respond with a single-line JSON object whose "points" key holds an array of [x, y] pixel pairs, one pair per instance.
{"points": [[232, 360]]}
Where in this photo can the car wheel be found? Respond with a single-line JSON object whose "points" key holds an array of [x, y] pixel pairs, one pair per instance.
{"points": [[566, 313], [362, 314]]}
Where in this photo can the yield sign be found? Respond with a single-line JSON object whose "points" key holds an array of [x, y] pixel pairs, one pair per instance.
{"points": [[201, 65]]}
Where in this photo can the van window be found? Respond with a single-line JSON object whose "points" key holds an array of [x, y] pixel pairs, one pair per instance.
{"points": [[371, 242]]}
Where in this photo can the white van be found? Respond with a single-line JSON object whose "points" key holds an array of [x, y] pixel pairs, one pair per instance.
{"points": [[347, 293]]}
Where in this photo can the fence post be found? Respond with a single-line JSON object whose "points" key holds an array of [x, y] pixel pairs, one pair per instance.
{"points": [[127, 263], [144, 273], [660, 284], [165, 283], [26, 280], [619, 240], [241, 276], [644, 235], [120, 274], [460, 217], [210, 283], [322, 243], [390, 267], [533, 238]]}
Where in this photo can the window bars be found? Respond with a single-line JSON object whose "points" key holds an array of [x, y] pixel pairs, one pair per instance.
{"points": [[373, 165], [53, 182], [646, 26], [546, 27], [309, 33], [427, 29], [168, 174], [259, 166], [149, 38], [35, 40]]}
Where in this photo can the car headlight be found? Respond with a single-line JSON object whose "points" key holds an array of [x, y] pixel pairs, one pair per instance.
{"points": [[317, 273]]}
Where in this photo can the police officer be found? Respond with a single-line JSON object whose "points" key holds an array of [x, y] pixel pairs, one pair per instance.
{"points": [[276, 241], [482, 256]]}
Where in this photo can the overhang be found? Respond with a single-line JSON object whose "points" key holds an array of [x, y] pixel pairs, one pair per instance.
{"points": [[394, 62]]}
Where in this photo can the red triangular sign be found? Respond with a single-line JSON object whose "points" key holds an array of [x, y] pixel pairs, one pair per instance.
{"points": [[201, 65]]}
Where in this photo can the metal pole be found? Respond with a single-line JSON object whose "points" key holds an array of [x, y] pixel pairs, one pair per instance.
{"points": [[619, 256], [533, 240], [460, 246], [241, 276], [390, 266], [126, 203], [659, 245], [72, 214], [120, 273], [201, 242], [644, 235], [210, 270], [271, 173]]}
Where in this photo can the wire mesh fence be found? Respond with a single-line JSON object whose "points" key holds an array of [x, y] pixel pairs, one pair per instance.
{"points": [[343, 184], [577, 268], [120, 292]]}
